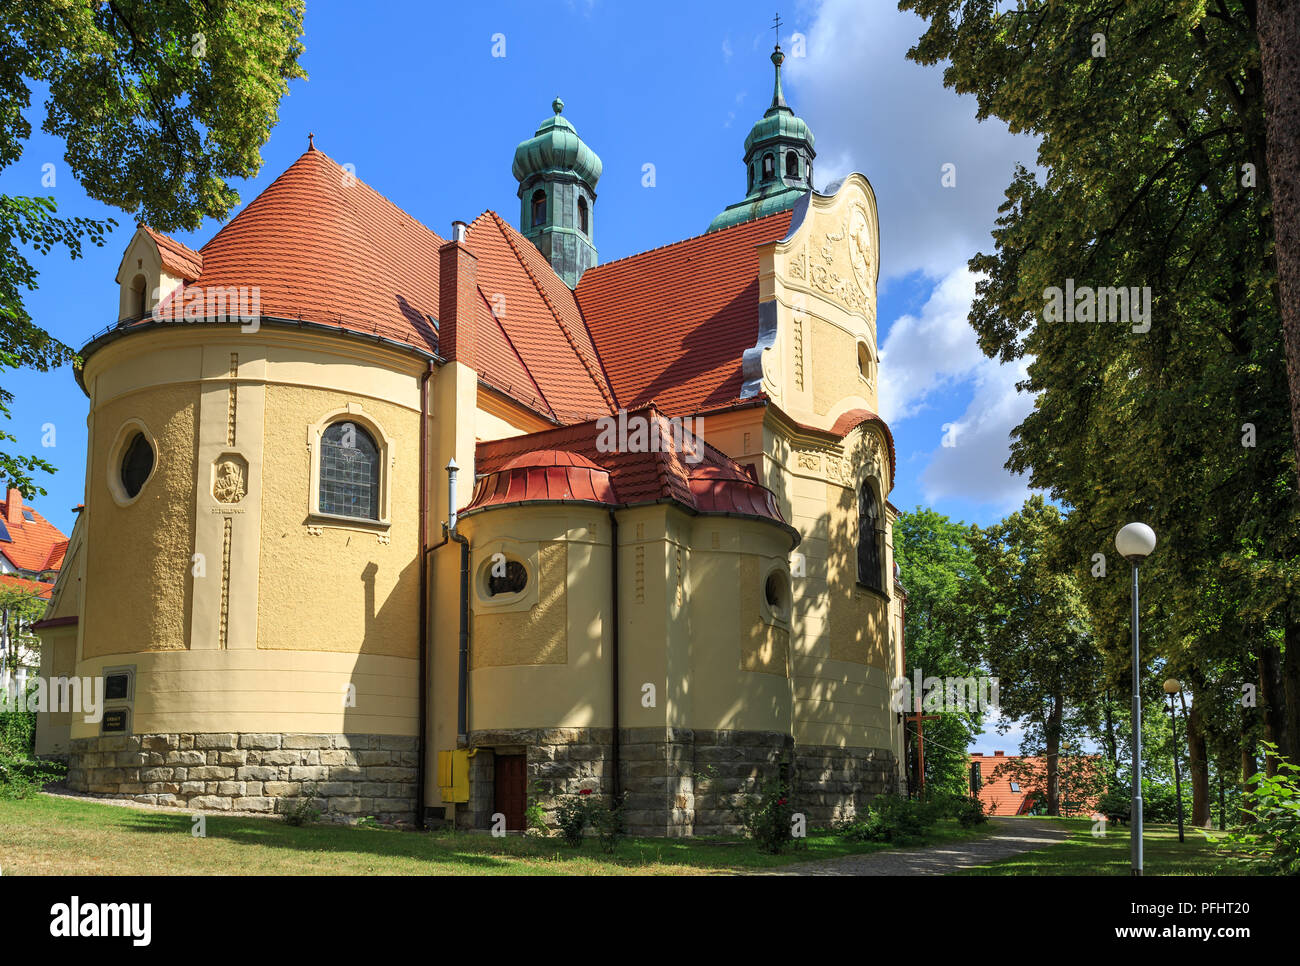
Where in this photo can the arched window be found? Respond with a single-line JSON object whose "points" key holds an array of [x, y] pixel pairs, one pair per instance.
{"points": [[749, 178], [139, 300], [769, 167], [582, 216], [791, 165], [349, 472], [539, 207], [869, 539]]}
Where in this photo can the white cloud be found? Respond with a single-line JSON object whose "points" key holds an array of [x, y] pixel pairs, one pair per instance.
{"points": [[894, 121], [925, 353], [973, 469]]}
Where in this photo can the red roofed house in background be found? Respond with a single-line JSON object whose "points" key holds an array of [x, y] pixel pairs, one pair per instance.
{"points": [[31, 552], [433, 522], [1011, 785]]}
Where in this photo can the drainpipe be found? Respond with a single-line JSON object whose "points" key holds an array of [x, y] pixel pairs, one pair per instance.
{"points": [[613, 603], [462, 674], [422, 744]]}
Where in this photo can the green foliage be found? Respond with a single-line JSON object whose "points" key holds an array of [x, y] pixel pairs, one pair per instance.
{"points": [[768, 815], [937, 567], [22, 774], [159, 103], [894, 819], [303, 810], [969, 812], [1272, 839], [535, 813], [607, 822], [572, 814]]}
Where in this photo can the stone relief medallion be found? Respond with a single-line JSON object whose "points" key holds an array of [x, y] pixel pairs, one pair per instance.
{"points": [[230, 478], [859, 246], [810, 461]]}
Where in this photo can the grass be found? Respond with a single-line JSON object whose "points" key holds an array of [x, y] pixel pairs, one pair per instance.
{"points": [[60, 836], [1162, 854]]}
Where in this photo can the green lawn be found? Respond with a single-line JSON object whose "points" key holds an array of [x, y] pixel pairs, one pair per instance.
{"points": [[59, 836], [1084, 854]]}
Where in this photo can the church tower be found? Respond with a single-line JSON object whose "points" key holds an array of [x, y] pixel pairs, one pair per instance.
{"points": [[778, 160], [557, 175]]}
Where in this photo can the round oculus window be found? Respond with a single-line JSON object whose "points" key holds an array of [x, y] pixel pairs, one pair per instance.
{"points": [[510, 578]]}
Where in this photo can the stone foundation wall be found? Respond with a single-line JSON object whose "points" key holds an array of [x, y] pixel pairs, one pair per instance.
{"points": [[349, 776], [833, 784], [678, 782]]}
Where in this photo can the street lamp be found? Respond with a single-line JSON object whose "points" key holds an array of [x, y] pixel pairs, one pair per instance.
{"points": [[1172, 687], [1135, 541]]}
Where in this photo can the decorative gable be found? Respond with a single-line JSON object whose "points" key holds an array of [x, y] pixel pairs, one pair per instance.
{"points": [[152, 268]]}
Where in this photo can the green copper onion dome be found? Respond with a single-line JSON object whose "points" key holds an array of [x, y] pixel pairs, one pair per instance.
{"points": [[556, 149], [778, 160], [557, 175]]}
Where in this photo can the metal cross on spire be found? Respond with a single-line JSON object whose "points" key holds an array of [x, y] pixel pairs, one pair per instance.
{"points": [[776, 28]]}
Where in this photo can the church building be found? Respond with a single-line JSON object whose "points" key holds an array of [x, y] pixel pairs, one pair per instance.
{"points": [[431, 527]]}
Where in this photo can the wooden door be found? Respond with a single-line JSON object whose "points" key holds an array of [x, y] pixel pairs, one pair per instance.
{"points": [[510, 790]]}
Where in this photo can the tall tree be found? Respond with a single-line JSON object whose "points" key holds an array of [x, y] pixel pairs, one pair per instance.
{"points": [[937, 566], [160, 103], [1152, 179], [1033, 626]]}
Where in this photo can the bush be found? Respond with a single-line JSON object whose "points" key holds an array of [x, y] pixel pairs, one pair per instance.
{"points": [[1273, 839], [892, 818], [1115, 804], [969, 812], [572, 815], [303, 811], [768, 816], [22, 774], [607, 822]]}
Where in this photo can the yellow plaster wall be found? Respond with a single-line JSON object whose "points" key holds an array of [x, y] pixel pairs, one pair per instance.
{"points": [[138, 556], [328, 586], [834, 367], [538, 635]]}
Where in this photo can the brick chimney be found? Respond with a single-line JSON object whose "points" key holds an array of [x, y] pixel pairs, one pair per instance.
{"points": [[14, 506], [457, 298], [999, 753]]}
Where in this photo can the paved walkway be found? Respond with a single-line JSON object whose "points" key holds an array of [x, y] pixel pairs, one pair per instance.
{"points": [[1011, 836]]}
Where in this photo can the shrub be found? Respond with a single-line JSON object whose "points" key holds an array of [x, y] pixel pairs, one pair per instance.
{"points": [[22, 774], [1116, 804], [969, 812], [608, 824], [303, 811], [768, 816], [572, 815], [535, 815], [1273, 839], [892, 818]]}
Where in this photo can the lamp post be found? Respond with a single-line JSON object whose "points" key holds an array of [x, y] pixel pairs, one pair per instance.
{"points": [[1135, 541], [1172, 687]]}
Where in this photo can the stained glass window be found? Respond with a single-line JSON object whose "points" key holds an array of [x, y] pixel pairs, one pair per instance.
{"points": [[349, 472]]}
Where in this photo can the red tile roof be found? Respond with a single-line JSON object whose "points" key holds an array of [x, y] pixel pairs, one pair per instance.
{"points": [[177, 259], [42, 589], [671, 324], [35, 545], [996, 779], [713, 484], [545, 475], [539, 319], [323, 246]]}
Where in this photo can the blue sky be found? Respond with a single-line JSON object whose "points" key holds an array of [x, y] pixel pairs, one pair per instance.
{"points": [[411, 94]]}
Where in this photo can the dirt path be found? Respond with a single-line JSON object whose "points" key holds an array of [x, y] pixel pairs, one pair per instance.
{"points": [[1011, 836]]}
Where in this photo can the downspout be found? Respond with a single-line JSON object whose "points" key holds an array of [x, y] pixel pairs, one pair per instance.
{"points": [[613, 603], [423, 744], [462, 674]]}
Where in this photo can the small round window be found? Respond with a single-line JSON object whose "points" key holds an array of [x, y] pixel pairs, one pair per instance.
{"points": [[137, 464], [777, 592], [508, 577]]}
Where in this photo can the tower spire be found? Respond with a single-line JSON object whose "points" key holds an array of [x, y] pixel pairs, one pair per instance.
{"points": [[778, 96]]}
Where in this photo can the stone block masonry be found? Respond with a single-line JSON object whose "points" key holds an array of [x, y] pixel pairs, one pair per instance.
{"points": [[349, 776], [679, 782]]}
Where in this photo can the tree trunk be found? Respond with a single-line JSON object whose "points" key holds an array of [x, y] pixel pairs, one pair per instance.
{"points": [[1198, 769], [1270, 702], [1291, 687], [1249, 767], [1052, 736], [1277, 25]]}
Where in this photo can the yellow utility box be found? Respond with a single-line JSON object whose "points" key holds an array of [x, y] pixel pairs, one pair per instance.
{"points": [[453, 775]]}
